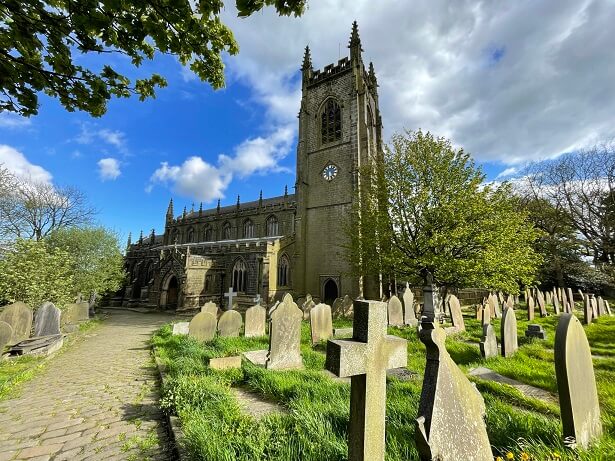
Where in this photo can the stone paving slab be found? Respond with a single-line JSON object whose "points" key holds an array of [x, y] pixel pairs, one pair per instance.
{"points": [[97, 400], [529, 391]]}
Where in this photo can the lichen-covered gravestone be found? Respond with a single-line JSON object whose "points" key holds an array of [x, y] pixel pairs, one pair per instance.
{"points": [[365, 359], [6, 333], [230, 324], [342, 307], [556, 305], [486, 314], [19, 317], [76, 312], [47, 320], [285, 336], [255, 321], [570, 299], [530, 308], [541, 304], [451, 425], [395, 312], [601, 309], [479, 312], [456, 314], [307, 306], [211, 308], [489, 343], [407, 298], [181, 328], [587, 310], [508, 333], [576, 383], [494, 304], [203, 327], [321, 323]]}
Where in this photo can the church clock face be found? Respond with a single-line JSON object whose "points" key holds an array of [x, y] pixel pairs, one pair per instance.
{"points": [[330, 172]]}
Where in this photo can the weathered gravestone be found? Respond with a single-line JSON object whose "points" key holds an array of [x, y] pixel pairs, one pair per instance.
{"points": [[535, 331], [587, 310], [568, 304], [395, 312], [229, 324], [556, 305], [601, 309], [285, 336], [321, 323], [530, 308], [307, 306], [19, 317], [202, 327], [486, 314], [541, 304], [77, 312], [489, 343], [570, 299], [594, 304], [211, 308], [47, 320], [456, 314], [494, 304], [342, 307], [255, 321], [451, 425], [365, 359], [6, 333], [576, 383], [479, 312], [607, 307], [407, 298], [510, 302], [548, 299], [181, 328], [508, 333]]}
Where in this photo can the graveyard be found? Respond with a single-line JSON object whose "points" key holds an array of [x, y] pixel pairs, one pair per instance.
{"points": [[307, 409]]}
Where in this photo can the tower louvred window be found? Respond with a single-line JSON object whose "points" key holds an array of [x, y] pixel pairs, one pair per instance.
{"points": [[331, 122]]}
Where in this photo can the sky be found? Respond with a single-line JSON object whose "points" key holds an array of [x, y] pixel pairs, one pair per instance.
{"points": [[510, 82]]}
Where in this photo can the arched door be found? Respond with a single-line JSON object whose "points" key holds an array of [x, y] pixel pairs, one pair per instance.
{"points": [[330, 291], [172, 293]]}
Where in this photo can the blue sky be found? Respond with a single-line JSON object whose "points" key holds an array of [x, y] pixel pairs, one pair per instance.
{"points": [[510, 83]]}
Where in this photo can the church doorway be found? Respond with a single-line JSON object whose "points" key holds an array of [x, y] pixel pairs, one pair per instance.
{"points": [[330, 292], [169, 296]]}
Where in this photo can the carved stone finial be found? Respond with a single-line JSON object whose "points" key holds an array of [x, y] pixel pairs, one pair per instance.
{"points": [[218, 207], [307, 60], [286, 191]]}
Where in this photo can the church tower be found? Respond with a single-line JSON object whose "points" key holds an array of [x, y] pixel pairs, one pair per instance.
{"points": [[339, 132]]}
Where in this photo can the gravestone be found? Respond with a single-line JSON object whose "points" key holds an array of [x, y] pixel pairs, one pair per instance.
{"points": [[594, 305], [408, 301], [581, 293], [494, 304], [6, 333], [451, 423], [395, 312], [535, 331], [548, 299], [285, 336], [570, 299], [181, 328], [479, 312], [321, 323], [587, 311], [342, 307], [607, 307], [231, 296], [19, 317], [508, 333], [576, 383], [530, 308], [365, 359], [486, 314], [273, 307], [456, 314], [47, 320], [489, 343], [77, 312], [567, 304], [202, 327], [211, 308], [307, 306], [431, 301], [510, 302], [541, 304], [255, 321], [229, 324], [601, 308], [556, 305]]}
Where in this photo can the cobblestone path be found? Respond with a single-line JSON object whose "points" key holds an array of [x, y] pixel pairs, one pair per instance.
{"points": [[95, 401]]}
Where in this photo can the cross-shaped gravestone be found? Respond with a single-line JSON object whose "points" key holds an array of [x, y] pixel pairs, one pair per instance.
{"points": [[365, 359], [230, 295]]}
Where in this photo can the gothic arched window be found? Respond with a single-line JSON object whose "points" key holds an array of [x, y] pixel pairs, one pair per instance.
{"points": [[226, 231], [190, 235], [240, 275], [284, 271], [248, 229], [272, 226], [331, 122], [208, 234], [175, 236]]}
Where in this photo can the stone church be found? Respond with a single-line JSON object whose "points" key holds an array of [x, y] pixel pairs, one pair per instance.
{"points": [[293, 243]]}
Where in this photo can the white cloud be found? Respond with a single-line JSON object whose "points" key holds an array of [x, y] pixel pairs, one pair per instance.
{"points": [[509, 82], [90, 133], [108, 168], [507, 172], [10, 120], [18, 164]]}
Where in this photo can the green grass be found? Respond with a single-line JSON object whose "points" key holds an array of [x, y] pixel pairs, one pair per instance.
{"points": [[315, 425]]}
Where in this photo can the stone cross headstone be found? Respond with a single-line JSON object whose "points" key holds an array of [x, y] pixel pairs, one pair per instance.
{"points": [[486, 314], [6, 333], [285, 336], [456, 314], [211, 308], [530, 308], [408, 301], [321, 323], [508, 333], [229, 324], [395, 312], [181, 328], [202, 327], [576, 382], [587, 311], [230, 295], [255, 321], [451, 422], [307, 306], [47, 320], [365, 359], [489, 343], [19, 317]]}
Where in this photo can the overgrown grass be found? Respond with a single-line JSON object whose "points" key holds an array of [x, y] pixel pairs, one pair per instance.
{"points": [[315, 425]]}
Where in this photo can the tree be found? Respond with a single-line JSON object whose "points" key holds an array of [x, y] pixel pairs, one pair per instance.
{"points": [[441, 221], [34, 272], [97, 262], [34, 209], [38, 39]]}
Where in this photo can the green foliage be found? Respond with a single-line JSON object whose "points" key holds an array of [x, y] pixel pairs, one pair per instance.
{"points": [[96, 256], [427, 212], [39, 41], [34, 272]]}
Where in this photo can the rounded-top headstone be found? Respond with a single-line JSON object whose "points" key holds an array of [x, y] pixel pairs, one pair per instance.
{"points": [[19, 316], [211, 308], [508, 332], [408, 302], [285, 336], [202, 327], [321, 323], [255, 321], [6, 333], [47, 320], [229, 324], [395, 311]]}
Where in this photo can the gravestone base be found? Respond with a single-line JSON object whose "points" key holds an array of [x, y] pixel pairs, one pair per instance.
{"points": [[42, 345], [535, 331], [256, 357], [225, 363], [342, 332]]}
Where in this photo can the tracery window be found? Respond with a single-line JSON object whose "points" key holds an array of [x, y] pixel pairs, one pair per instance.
{"points": [[272, 226], [284, 271], [208, 234], [248, 229], [190, 235], [331, 122], [240, 276], [226, 231]]}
